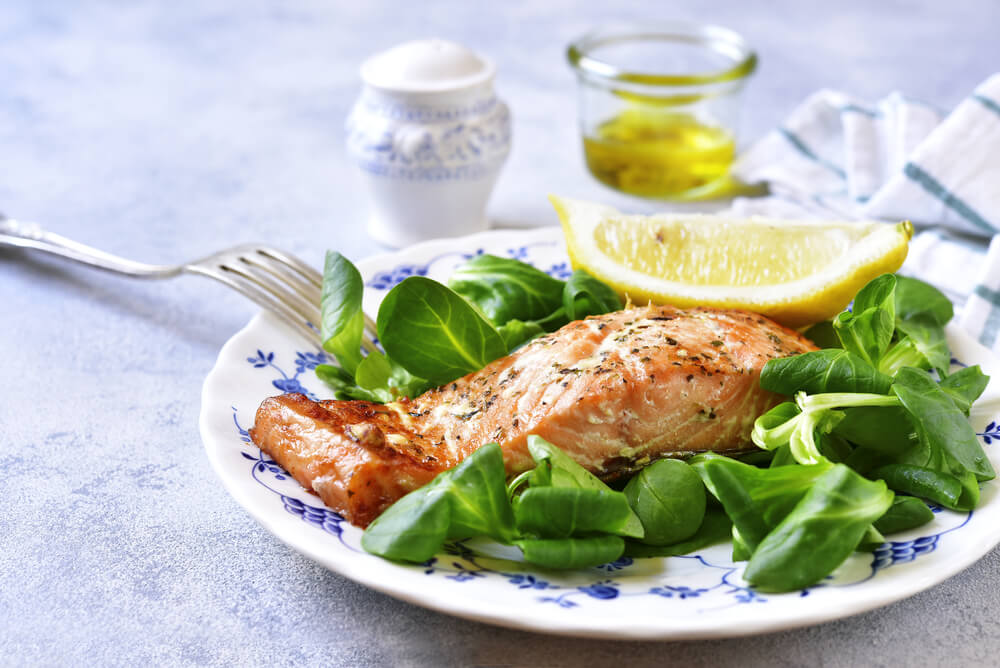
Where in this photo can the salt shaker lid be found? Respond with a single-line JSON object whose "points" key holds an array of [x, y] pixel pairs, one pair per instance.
{"points": [[429, 65]]}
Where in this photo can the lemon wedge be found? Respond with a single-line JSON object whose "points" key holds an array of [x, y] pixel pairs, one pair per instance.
{"points": [[795, 271]]}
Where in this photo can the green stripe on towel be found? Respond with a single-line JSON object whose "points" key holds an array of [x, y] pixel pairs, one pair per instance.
{"points": [[992, 296], [987, 102], [990, 328], [934, 188], [992, 324], [858, 109], [943, 236], [807, 152]]}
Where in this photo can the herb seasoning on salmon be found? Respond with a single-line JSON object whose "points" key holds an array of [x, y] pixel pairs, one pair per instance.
{"points": [[614, 391]]}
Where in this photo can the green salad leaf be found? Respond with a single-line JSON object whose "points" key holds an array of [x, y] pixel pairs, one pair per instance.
{"points": [[435, 334], [820, 532], [386, 379], [566, 518], [923, 346], [756, 500], [414, 528], [885, 429], [867, 330], [941, 488], [905, 513], [561, 512], [516, 333], [823, 334], [780, 456], [571, 553], [468, 500], [555, 469], [817, 416], [584, 295], [965, 386], [344, 386], [820, 371], [941, 423], [505, 289], [917, 299], [715, 528], [342, 322], [669, 499]]}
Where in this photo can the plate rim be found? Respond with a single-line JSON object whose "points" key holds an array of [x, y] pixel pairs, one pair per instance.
{"points": [[396, 580]]}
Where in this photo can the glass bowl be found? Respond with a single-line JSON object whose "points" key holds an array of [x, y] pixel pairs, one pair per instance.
{"points": [[659, 106]]}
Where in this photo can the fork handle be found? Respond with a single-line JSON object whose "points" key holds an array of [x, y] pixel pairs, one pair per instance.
{"points": [[32, 236]]}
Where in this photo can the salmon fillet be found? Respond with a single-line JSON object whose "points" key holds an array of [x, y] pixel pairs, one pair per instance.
{"points": [[615, 392]]}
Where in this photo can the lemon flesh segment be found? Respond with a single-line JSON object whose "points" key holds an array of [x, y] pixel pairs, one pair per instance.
{"points": [[796, 272]]}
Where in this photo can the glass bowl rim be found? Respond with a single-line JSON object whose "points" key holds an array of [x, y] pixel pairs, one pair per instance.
{"points": [[704, 34]]}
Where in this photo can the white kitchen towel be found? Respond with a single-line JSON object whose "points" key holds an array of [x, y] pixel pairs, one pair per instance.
{"points": [[898, 159]]}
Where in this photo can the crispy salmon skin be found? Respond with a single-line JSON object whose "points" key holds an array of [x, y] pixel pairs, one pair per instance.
{"points": [[615, 392]]}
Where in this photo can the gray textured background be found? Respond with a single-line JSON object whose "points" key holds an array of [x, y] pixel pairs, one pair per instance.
{"points": [[162, 131]]}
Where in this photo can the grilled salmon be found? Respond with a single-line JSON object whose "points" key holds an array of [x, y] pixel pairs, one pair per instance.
{"points": [[615, 392]]}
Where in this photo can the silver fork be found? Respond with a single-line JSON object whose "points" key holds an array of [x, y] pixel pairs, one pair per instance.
{"points": [[275, 280]]}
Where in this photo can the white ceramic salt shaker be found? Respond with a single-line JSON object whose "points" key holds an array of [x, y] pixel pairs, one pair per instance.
{"points": [[430, 137]]}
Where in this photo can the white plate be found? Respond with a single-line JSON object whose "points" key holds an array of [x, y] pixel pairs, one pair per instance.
{"points": [[696, 596]]}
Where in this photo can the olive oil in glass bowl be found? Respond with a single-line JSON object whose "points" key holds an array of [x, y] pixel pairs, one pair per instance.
{"points": [[659, 106]]}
